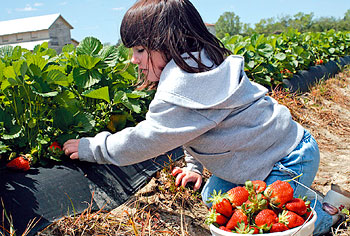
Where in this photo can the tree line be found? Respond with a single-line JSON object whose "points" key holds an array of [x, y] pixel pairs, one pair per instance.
{"points": [[229, 23]]}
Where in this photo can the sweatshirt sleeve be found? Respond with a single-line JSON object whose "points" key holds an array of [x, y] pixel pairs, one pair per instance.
{"points": [[192, 163], [166, 127]]}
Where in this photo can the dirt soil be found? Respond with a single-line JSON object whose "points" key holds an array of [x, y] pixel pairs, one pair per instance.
{"points": [[160, 208]]}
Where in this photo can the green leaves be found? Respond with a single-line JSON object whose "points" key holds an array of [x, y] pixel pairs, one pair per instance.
{"points": [[280, 56], [84, 78], [66, 120], [87, 62], [57, 77], [4, 148], [267, 58], [6, 51], [100, 93], [46, 97], [109, 55], [130, 100], [89, 46], [37, 60]]}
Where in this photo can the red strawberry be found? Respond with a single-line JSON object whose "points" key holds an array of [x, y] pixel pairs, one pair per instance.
{"points": [[214, 217], [225, 229], [256, 230], [19, 163], [265, 218], [278, 227], [238, 195], [279, 192], [254, 187], [297, 205], [259, 186], [238, 216], [55, 146], [308, 211], [319, 61], [221, 204], [291, 219]]}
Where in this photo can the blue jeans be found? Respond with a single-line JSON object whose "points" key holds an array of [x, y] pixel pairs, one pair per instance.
{"points": [[304, 159]]}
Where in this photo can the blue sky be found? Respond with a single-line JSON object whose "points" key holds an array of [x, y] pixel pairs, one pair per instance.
{"points": [[101, 19]]}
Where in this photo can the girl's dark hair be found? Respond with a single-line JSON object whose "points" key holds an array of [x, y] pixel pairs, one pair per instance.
{"points": [[173, 27]]}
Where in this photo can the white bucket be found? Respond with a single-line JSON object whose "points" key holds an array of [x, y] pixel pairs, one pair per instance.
{"points": [[303, 230], [306, 229]]}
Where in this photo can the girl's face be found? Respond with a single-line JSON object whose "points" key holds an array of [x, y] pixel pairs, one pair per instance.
{"points": [[153, 66]]}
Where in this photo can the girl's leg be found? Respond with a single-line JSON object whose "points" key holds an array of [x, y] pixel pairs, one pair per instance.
{"points": [[304, 159]]}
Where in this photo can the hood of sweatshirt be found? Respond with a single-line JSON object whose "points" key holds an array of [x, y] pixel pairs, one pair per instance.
{"points": [[226, 86]]}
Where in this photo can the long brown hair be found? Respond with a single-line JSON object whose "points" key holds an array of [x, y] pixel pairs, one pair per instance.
{"points": [[173, 27]]}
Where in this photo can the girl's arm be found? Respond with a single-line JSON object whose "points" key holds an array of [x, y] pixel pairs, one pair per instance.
{"points": [[166, 127]]}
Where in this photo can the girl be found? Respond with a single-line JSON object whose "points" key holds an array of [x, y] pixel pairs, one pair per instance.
{"points": [[205, 103]]}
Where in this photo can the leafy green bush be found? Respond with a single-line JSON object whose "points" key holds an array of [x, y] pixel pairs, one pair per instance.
{"points": [[272, 58], [45, 97]]}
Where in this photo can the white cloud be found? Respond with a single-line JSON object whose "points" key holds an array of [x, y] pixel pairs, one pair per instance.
{"points": [[27, 8], [63, 3], [118, 8]]}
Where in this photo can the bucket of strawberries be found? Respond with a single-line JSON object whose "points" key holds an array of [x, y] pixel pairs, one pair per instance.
{"points": [[260, 209]]}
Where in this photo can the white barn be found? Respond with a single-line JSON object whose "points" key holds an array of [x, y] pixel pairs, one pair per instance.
{"points": [[31, 31]]}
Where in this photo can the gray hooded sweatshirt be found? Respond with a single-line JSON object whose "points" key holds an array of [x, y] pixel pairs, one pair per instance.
{"points": [[224, 122]]}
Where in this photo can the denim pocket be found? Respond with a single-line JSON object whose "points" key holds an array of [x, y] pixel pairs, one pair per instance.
{"points": [[284, 170]]}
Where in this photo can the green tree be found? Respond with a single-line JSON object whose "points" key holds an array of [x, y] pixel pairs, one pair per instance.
{"points": [[344, 24], [323, 24], [247, 29], [267, 26], [347, 15], [228, 23], [302, 22]]}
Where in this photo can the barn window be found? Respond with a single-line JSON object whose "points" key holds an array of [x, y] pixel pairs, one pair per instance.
{"points": [[34, 35]]}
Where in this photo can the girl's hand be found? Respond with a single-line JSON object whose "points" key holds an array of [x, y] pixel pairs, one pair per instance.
{"points": [[70, 148], [184, 176]]}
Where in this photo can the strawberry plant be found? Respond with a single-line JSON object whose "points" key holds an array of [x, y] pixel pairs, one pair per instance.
{"points": [[47, 97], [270, 59]]}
